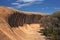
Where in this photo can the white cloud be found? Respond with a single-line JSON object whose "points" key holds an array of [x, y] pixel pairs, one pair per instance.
{"points": [[19, 3], [56, 8], [28, 0], [15, 4], [25, 0]]}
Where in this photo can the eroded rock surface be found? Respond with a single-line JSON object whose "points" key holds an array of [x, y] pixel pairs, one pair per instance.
{"points": [[17, 25]]}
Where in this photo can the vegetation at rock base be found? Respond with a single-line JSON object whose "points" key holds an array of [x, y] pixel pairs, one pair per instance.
{"points": [[51, 25]]}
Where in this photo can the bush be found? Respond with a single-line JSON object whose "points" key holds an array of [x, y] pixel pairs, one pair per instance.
{"points": [[52, 26]]}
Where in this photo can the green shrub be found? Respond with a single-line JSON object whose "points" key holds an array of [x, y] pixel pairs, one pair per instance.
{"points": [[52, 26]]}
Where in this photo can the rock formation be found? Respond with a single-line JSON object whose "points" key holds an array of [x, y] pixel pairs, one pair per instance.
{"points": [[19, 25]]}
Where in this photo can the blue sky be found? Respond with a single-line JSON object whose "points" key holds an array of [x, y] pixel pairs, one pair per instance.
{"points": [[44, 6]]}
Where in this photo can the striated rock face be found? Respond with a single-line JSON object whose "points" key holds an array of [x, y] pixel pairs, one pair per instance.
{"points": [[19, 19], [19, 25], [3, 36]]}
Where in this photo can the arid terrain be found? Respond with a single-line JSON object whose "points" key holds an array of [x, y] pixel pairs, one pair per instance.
{"points": [[20, 25]]}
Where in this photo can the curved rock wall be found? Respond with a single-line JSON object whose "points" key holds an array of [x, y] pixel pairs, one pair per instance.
{"points": [[20, 26]]}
